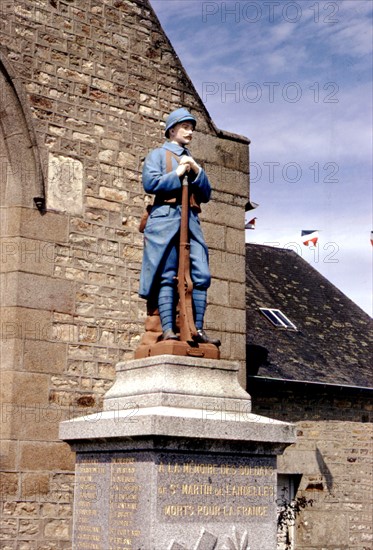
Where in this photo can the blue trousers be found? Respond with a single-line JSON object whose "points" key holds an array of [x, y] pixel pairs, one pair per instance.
{"points": [[199, 265], [201, 278]]}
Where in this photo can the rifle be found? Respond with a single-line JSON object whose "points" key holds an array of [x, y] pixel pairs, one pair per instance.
{"points": [[184, 281]]}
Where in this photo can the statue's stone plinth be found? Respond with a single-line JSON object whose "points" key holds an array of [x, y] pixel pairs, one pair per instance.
{"points": [[176, 461]]}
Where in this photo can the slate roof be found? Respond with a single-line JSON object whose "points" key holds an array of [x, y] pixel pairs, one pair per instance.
{"points": [[334, 340]]}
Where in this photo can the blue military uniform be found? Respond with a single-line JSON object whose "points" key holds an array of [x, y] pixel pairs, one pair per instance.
{"points": [[163, 225], [161, 234]]}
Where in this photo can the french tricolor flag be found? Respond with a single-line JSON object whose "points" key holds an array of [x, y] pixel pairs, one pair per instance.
{"points": [[250, 224], [310, 236]]}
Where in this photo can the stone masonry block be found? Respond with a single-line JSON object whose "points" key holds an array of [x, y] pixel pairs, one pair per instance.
{"points": [[218, 292], [8, 452], [237, 294], [229, 267], [8, 484], [11, 350], [317, 525], [34, 421], [235, 182], [214, 234], [46, 456], [29, 255], [27, 222], [21, 509], [226, 319], [102, 204], [37, 422], [29, 528], [236, 240], [206, 147], [227, 180], [25, 324], [47, 357], [232, 154], [228, 153], [225, 214], [57, 529], [8, 411], [234, 345], [35, 485], [37, 291], [26, 389]]}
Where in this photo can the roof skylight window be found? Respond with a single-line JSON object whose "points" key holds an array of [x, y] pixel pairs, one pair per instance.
{"points": [[277, 318]]}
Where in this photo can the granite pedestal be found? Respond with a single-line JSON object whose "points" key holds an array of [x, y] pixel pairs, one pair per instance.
{"points": [[176, 461]]}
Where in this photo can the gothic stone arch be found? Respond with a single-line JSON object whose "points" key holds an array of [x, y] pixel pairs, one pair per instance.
{"points": [[21, 177], [29, 294]]}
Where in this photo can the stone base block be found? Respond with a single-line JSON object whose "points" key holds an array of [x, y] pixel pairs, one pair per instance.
{"points": [[176, 347], [166, 497], [176, 461]]}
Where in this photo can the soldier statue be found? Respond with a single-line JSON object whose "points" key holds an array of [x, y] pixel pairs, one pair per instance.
{"points": [[163, 173]]}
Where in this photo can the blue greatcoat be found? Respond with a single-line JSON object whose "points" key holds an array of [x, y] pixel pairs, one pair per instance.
{"points": [[164, 221]]}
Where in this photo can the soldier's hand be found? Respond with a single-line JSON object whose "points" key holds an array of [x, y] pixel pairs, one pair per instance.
{"points": [[182, 168], [192, 163]]}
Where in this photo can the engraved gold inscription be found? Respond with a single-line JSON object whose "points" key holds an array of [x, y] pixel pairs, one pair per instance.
{"points": [[240, 490], [182, 510], [116, 482], [215, 490], [194, 468], [124, 501], [88, 536]]}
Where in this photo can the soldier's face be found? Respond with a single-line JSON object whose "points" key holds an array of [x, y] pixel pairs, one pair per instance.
{"points": [[182, 133]]}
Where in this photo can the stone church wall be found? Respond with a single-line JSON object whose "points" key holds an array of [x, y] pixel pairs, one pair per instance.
{"points": [[84, 87]]}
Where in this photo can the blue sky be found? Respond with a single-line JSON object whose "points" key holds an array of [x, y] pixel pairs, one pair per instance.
{"points": [[296, 78]]}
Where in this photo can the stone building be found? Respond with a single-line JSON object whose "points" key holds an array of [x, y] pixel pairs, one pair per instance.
{"points": [[313, 367], [84, 89]]}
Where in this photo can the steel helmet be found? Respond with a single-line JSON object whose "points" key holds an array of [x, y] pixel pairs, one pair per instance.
{"points": [[180, 115]]}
